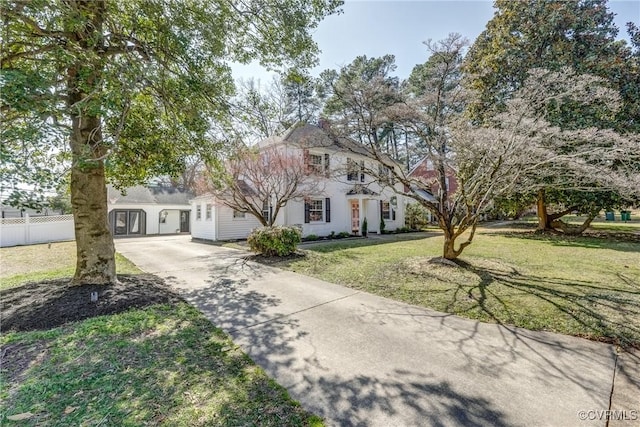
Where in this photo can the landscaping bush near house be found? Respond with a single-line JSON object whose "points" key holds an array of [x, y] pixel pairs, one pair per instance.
{"points": [[274, 241], [343, 235], [416, 216], [311, 238]]}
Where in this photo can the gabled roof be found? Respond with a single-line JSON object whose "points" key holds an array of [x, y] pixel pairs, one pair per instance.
{"points": [[305, 135], [361, 190], [424, 194], [425, 161], [161, 195]]}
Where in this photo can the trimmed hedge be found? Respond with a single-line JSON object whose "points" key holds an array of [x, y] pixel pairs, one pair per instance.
{"points": [[274, 241]]}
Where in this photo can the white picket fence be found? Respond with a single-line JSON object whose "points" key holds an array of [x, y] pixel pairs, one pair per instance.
{"points": [[38, 229]]}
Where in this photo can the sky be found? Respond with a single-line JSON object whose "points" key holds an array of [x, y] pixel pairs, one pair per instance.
{"points": [[379, 27]]}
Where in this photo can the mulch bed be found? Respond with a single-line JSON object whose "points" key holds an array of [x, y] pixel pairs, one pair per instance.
{"points": [[51, 303], [273, 260]]}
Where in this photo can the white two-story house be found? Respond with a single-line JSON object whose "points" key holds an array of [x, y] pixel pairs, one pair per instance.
{"points": [[348, 192]]}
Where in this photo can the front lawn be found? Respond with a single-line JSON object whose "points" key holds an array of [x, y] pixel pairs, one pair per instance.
{"points": [[45, 261], [162, 365], [583, 286], [139, 355]]}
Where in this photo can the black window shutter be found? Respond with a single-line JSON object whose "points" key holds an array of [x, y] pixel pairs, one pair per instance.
{"points": [[381, 210], [327, 210], [307, 159], [362, 171], [393, 213], [326, 165], [307, 218]]}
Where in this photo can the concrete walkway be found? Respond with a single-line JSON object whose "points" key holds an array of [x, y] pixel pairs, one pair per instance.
{"points": [[360, 360]]}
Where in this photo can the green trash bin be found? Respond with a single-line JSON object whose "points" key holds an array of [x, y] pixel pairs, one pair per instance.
{"points": [[625, 215], [609, 216]]}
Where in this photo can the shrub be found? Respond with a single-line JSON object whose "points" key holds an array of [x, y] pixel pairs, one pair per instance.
{"points": [[416, 216], [274, 241], [342, 235], [365, 227], [310, 238], [403, 230], [332, 235], [382, 225]]}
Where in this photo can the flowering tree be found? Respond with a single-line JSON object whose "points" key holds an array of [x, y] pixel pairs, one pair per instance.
{"points": [[260, 182]]}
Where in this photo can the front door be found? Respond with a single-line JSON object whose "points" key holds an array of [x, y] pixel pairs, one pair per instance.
{"points": [[355, 216], [184, 221]]}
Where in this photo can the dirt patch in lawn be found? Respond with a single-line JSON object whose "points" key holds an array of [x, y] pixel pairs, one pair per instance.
{"points": [[51, 303]]}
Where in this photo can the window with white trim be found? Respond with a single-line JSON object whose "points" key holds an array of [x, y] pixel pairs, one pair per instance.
{"points": [[266, 211], [238, 214], [355, 170], [198, 212], [316, 210], [385, 175], [386, 210], [208, 211], [315, 163]]}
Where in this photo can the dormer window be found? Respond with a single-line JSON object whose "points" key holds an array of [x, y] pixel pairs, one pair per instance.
{"points": [[355, 171], [315, 164], [385, 175]]}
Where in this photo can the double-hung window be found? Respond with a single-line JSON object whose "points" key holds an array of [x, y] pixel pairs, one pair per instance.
{"points": [[317, 210], [315, 164], [387, 211]]}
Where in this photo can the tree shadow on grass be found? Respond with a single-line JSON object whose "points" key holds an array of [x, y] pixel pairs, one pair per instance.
{"points": [[609, 313], [623, 242], [181, 372], [373, 240]]}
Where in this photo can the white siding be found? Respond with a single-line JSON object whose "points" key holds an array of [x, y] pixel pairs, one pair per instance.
{"points": [[229, 228], [203, 228], [336, 188], [171, 224], [154, 226], [224, 227]]}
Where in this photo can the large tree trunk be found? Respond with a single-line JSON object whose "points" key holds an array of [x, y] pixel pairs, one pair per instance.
{"points": [[574, 230], [544, 222], [448, 250], [94, 242], [95, 248]]}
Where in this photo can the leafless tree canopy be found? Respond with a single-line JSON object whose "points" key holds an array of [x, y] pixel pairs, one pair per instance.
{"points": [[261, 181]]}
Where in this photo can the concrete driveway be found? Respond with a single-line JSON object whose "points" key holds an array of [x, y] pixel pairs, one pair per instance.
{"points": [[360, 360]]}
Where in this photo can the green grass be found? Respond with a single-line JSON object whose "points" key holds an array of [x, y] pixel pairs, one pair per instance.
{"points": [[581, 286], [33, 263], [163, 365]]}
